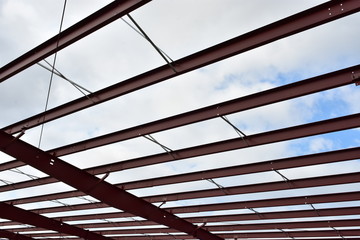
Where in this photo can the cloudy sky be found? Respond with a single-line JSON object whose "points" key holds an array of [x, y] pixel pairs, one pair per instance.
{"points": [[116, 53]]}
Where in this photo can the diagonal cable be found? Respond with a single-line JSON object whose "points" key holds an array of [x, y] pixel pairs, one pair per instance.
{"points": [[52, 72]]}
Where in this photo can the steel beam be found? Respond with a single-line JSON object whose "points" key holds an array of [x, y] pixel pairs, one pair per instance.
{"points": [[88, 25], [308, 225], [316, 84], [286, 27], [251, 188], [17, 214], [310, 129], [310, 213], [95, 187], [13, 236], [299, 161]]}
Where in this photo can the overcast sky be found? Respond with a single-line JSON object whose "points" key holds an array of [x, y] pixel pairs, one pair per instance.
{"points": [[116, 53]]}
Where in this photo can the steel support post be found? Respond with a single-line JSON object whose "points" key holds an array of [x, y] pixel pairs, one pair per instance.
{"points": [[17, 214], [95, 187], [88, 25], [288, 26]]}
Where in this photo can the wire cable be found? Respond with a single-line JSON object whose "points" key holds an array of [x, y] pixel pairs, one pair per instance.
{"points": [[52, 73]]}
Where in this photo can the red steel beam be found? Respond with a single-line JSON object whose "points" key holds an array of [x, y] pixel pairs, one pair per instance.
{"points": [[96, 187], [15, 236], [309, 225], [88, 25], [316, 84], [310, 129], [300, 161], [17, 214], [290, 201], [286, 27], [251, 188], [256, 235]]}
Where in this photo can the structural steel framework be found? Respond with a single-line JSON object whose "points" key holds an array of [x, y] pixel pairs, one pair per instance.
{"points": [[145, 217]]}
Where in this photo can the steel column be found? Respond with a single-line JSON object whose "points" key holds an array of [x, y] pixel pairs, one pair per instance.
{"points": [[88, 25], [23, 216], [288, 26], [95, 187]]}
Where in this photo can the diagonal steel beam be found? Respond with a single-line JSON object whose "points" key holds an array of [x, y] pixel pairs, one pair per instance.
{"points": [[96, 187], [305, 130], [88, 25], [286, 27], [299, 161], [316, 84], [17, 214]]}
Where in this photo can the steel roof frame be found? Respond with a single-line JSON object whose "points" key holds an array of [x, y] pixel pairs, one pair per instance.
{"points": [[87, 184]]}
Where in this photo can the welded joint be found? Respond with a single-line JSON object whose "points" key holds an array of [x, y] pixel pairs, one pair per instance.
{"points": [[356, 78]]}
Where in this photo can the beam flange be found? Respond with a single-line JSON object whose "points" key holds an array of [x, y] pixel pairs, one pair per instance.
{"points": [[283, 28], [81, 29], [96, 187]]}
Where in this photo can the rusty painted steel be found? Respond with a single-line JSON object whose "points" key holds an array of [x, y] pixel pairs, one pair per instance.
{"points": [[283, 28], [15, 236], [278, 164], [81, 29], [305, 130], [96, 187], [17, 214], [316, 84]]}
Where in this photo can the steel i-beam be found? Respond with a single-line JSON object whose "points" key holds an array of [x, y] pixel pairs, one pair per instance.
{"points": [[88, 25], [288, 26], [95, 187]]}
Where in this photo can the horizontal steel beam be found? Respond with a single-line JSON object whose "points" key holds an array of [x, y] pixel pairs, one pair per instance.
{"points": [[301, 88], [95, 187], [308, 225], [251, 188], [286, 27], [17, 214], [81, 29], [310, 129], [15, 236], [300, 161]]}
